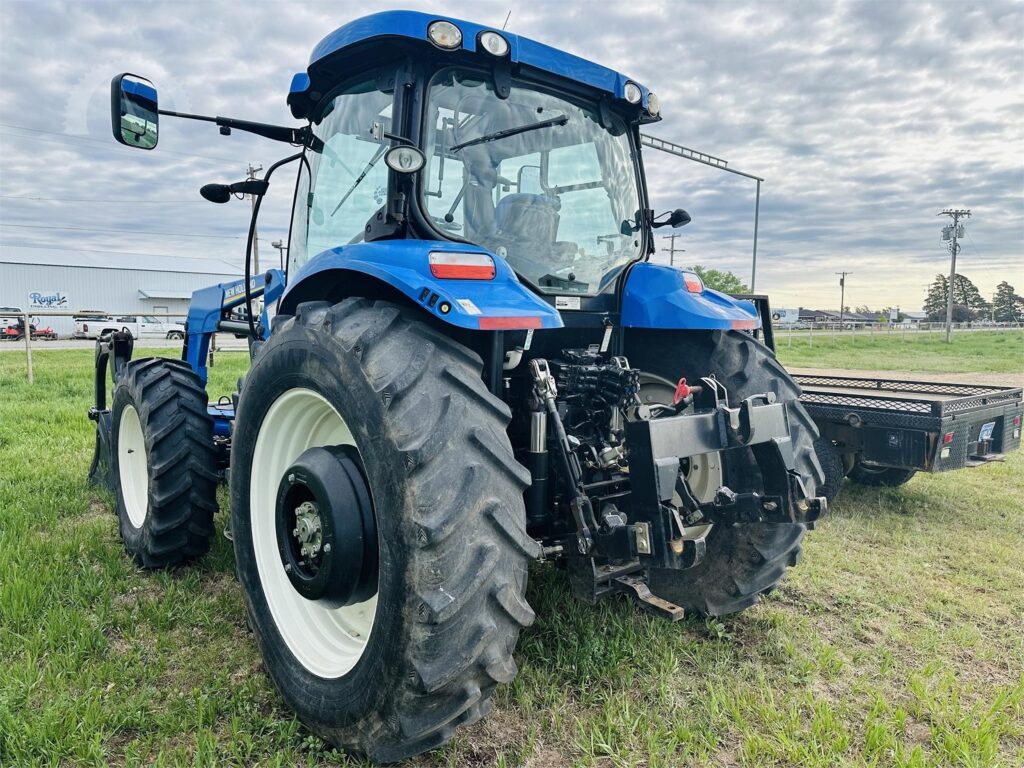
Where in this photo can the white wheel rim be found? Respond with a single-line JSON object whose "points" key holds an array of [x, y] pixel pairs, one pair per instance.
{"points": [[132, 468], [326, 641]]}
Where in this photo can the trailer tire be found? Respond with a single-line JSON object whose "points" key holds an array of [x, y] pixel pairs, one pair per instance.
{"points": [[447, 499], [163, 462], [832, 465], [877, 476], [745, 561]]}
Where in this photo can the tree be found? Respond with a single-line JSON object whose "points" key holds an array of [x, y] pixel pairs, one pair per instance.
{"points": [[720, 280], [966, 297], [1007, 306], [935, 303]]}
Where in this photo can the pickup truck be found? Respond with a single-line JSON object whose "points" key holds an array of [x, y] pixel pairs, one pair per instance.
{"points": [[881, 432], [90, 326]]}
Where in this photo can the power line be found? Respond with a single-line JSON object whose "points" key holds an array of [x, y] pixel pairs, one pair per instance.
{"points": [[89, 200], [119, 231]]}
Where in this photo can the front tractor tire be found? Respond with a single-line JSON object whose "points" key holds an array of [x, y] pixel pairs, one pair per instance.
{"points": [[385, 659], [745, 561], [163, 462]]}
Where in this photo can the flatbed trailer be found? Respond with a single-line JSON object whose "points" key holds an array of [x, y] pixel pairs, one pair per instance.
{"points": [[876, 424], [881, 431]]}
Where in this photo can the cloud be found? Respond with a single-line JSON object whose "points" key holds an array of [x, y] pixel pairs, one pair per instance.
{"points": [[864, 118]]}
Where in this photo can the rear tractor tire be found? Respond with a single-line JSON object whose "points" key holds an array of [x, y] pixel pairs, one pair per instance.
{"points": [[163, 462], [745, 561], [386, 604]]}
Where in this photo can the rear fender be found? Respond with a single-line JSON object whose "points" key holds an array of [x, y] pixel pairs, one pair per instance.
{"points": [[656, 296], [502, 303]]}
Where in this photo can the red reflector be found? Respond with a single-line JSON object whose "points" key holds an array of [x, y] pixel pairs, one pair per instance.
{"points": [[508, 323], [461, 266], [744, 325], [948, 438], [1016, 421]]}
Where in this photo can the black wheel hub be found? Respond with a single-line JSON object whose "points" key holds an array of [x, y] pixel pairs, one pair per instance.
{"points": [[326, 530]]}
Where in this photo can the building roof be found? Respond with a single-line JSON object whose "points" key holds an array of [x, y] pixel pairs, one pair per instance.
{"points": [[90, 259]]}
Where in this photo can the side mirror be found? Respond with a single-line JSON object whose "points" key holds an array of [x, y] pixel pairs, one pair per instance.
{"points": [[134, 114], [679, 218]]}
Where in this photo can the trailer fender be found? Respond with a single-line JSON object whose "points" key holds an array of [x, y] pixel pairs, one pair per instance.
{"points": [[660, 296], [498, 303]]}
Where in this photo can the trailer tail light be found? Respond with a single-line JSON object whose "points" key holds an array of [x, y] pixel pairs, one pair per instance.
{"points": [[1016, 421], [446, 265], [948, 438]]}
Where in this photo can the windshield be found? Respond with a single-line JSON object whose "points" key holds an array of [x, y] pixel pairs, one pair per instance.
{"points": [[347, 175], [533, 178]]}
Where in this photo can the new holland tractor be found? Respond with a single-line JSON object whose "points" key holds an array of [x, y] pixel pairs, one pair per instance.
{"points": [[469, 364]]}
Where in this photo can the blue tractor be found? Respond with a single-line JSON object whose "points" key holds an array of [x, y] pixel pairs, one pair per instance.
{"points": [[469, 364]]}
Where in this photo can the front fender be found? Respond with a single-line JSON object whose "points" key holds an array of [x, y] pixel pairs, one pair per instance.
{"points": [[502, 303], [656, 296]]}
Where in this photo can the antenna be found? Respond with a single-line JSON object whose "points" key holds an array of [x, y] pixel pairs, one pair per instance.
{"points": [[507, 17]]}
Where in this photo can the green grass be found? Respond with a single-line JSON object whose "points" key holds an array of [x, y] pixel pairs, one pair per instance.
{"points": [[969, 352], [898, 641]]}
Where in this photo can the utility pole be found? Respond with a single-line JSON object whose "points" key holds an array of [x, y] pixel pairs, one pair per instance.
{"points": [[672, 250], [281, 248], [842, 295], [251, 174], [951, 233]]}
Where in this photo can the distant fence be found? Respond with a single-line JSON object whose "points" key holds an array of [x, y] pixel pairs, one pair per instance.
{"points": [[809, 333], [35, 339]]}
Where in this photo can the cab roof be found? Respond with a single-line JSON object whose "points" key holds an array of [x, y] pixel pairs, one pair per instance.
{"points": [[412, 25]]}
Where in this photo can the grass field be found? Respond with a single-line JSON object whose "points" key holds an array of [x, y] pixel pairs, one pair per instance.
{"points": [[969, 352], [899, 639]]}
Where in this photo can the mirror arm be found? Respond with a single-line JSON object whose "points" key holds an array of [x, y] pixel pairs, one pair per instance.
{"points": [[299, 136]]}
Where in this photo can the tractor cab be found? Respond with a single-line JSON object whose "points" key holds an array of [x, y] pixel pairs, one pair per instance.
{"points": [[472, 135]]}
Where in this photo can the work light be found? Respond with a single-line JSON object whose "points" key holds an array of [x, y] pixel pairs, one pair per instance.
{"points": [[404, 159], [444, 34], [633, 93], [494, 44]]}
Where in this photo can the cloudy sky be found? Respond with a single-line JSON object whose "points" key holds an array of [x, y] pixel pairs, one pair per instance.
{"points": [[865, 118]]}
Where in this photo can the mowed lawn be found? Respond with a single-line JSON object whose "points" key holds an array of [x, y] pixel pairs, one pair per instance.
{"points": [[968, 352], [898, 640]]}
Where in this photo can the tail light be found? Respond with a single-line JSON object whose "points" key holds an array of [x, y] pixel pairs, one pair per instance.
{"points": [[948, 438], [693, 282], [446, 265], [1016, 421]]}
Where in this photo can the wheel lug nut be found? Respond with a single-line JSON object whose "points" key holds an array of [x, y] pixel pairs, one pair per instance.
{"points": [[327, 547]]}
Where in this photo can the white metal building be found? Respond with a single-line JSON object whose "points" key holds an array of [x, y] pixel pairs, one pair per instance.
{"points": [[42, 279]]}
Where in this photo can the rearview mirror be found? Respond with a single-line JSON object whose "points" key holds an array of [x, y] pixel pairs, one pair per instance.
{"points": [[134, 114], [679, 218]]}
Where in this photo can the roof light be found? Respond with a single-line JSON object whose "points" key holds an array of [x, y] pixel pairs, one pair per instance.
{"points": [[445, 35], [633, 93], [693, 282], [494, 44], [653, 104], [447, 265], [404, 159]]}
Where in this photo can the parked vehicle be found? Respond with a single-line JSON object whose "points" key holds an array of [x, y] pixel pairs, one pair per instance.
{"points": [[89, 324], [10, 316], [139, 326], [16, 331], [474, 364]]}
